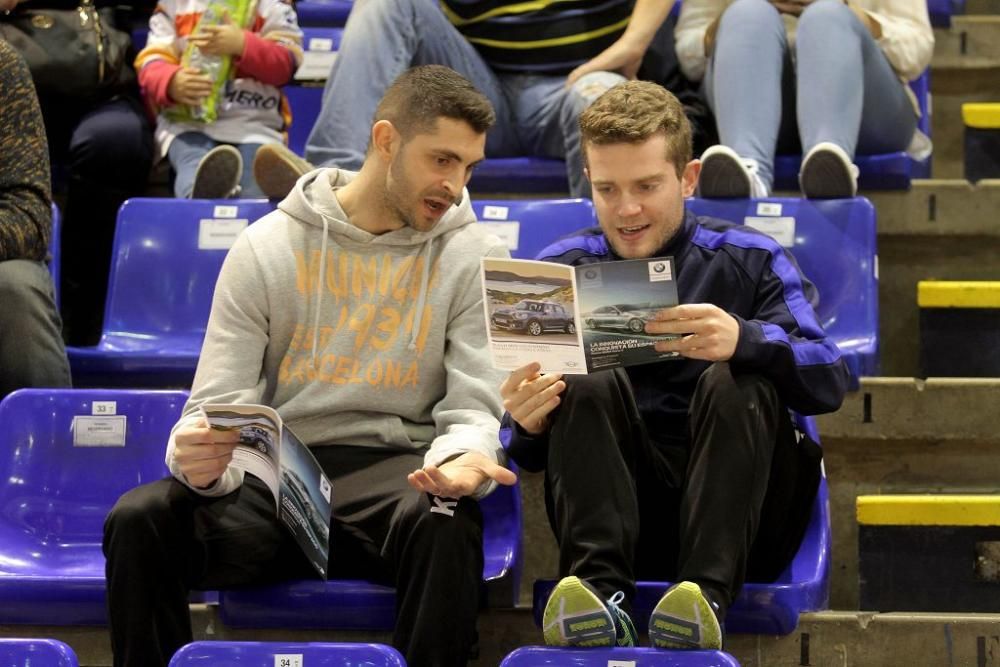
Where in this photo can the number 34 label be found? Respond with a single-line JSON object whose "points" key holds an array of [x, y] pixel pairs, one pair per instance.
{"points": [[288, 660]]}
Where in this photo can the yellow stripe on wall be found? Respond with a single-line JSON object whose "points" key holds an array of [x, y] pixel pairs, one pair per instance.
{"points": [[958, 294], [555, 41], [929, 510]]}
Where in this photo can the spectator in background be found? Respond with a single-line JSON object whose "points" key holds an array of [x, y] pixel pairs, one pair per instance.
{"points": [[31, 346], [822, 77], [540, 64], [101, 149], [208, 158]]}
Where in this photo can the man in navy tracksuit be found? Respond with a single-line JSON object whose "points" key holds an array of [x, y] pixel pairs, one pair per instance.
{"points": [[686, 470]]}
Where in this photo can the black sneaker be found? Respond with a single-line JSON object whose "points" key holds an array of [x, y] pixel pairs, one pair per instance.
{"points": [[575, 615], [218, 174]]}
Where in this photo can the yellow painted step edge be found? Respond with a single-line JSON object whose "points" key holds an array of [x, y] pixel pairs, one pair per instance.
{"points": [[926, 510], [982, 116], [958, 294]]}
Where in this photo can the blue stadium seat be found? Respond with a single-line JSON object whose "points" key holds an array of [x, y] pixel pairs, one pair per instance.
{"points": [[544, 656], [835, 245], [350, 604], [529, 225], [522, 175], [270, 654], [323, 13], [66, 456], [941, 11], [166, 259], [770, 608], [36, 653]]}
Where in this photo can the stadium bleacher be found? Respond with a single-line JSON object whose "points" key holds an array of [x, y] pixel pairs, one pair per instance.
{"points": [[896, 434]]}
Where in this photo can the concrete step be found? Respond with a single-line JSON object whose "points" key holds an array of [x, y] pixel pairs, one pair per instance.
{"points": [[970, 42]]}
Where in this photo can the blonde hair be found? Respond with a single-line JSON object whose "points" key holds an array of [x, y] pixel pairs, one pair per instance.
{"points": [[634, 111]]}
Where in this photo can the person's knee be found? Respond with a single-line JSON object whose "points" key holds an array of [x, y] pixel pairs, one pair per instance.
{"points": [[588, 88], [134, 518], [433, 518], [23, 285], [722, 389], [824, 15], [749, 14]]}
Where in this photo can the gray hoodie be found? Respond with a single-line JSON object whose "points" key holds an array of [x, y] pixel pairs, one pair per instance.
{"points": [[381, 345]]}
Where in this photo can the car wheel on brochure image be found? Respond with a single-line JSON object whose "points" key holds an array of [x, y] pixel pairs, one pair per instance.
{"points": [[571, 327], [636, 325], [534, 328]]}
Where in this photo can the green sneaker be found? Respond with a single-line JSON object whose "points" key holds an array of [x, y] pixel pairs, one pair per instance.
{"points": [[684, 619], [575, 615]]}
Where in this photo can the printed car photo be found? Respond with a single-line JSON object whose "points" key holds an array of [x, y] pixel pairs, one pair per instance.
{"points": [[631, 317], [533, 317]]}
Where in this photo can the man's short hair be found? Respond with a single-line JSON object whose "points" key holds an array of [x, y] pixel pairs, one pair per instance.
{"points": [[634, 111], [421, 95]]}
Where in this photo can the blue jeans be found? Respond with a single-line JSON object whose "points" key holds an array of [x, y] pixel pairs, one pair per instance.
{"points": [[187, 150], [31, 346], [840, 88], [536, 114]]}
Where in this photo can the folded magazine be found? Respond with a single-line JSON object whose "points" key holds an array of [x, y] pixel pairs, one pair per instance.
{"points": [[575, 319], [271, 452]]}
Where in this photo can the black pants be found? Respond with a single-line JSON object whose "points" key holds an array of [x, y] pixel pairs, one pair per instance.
{"points": [[731, 500], [161, 540]]}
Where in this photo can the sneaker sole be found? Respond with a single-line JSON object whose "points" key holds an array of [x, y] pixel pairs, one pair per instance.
{"points": [[676, 621], [218, 174], [275, 174], [825, 176], [574, 616], [722, 178]]}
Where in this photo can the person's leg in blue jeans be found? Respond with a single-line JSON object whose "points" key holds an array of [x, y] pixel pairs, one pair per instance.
{"points": [[382, 39], [32, 353], [185, 152], [248, 185], [546, 115], [848, 93], [743, 82]]}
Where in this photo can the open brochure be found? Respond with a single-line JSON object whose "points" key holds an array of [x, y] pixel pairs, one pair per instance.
{"points": [[270, 451], [575, 319]]}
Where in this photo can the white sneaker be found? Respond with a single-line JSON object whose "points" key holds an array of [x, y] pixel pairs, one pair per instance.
{"points": [[828, 173], [218, 174], [724, 174]]}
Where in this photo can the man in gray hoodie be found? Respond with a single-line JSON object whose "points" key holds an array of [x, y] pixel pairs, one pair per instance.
{"points": [[355, 310]]}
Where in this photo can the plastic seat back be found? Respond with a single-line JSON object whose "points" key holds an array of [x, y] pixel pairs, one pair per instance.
{"points": [[285, 654], [529, 225], [36, 653], [167, 257], [68, 454], [834, 243], [305, 96]]}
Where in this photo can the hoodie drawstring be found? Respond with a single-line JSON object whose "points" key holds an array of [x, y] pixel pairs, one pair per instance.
{"points": [[319, 289], [418, 318]]}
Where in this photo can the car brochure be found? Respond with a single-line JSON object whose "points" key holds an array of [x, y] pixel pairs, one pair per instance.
{"points": [[575, 319], [270, 451]]}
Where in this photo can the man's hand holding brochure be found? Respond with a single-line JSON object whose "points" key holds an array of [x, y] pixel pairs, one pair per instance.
{"points": [[268, 449]]}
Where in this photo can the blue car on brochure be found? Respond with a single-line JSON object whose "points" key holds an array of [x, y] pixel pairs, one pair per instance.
{"points": [[533, 317]]}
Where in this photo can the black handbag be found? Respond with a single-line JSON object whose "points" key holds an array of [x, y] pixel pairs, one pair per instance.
{"points": [[72, 53]]}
